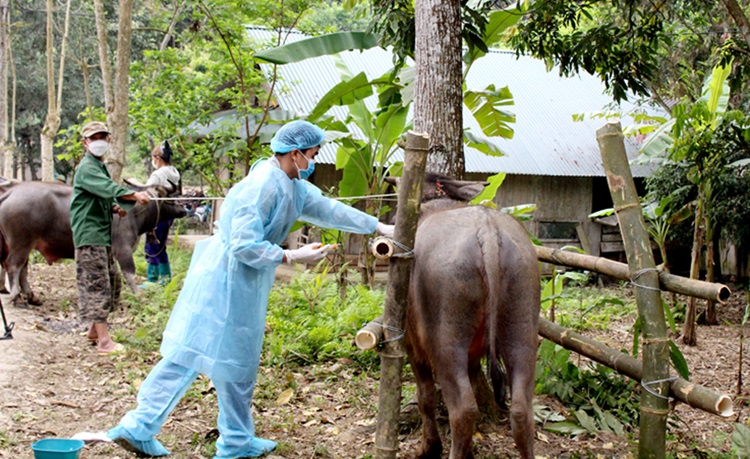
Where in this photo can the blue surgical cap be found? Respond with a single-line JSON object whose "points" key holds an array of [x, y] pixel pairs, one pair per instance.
{"points": [[299, 135]]}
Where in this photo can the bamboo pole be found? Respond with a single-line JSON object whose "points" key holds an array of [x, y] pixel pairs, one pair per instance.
{"points": [[370, 335], [692, 394], [670, 282], [654, 407], [399, 273]]}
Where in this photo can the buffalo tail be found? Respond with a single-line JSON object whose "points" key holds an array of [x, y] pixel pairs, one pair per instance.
{"points": [[495, 368]]}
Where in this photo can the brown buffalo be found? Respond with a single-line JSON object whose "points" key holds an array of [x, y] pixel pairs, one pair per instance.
{"points": [[475, 290], [36, 215]]}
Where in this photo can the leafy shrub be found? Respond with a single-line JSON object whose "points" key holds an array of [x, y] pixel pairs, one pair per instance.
{"points": [[599, 397], [149, 312], [300, 331]]}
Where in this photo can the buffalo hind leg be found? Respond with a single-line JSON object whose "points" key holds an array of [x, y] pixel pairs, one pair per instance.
{"points": [[521, 366], [14, 267], [462, 405], [26, 288], [431, 447], [3, 288]]}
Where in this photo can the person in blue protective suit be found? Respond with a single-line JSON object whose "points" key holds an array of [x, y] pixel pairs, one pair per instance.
{"points": [[217, 324]]}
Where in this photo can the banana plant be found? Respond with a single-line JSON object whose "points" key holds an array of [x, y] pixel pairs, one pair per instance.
{"points": [[486, 105]]}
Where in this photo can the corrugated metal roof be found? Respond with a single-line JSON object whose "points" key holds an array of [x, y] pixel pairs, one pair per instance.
{"points": [[546, 141]]}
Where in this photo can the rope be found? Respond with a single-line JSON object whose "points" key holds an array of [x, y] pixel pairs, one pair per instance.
{"points": [[207, 198], [387, 195], [641, 272], [407, 252], [189, 198], [400, 333], [646, 385]]}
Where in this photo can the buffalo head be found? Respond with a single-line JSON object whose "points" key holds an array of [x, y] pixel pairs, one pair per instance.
{"points": [[440, 186]]}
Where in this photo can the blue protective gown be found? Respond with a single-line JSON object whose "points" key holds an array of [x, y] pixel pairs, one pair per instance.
{"points": [[218, 321]]}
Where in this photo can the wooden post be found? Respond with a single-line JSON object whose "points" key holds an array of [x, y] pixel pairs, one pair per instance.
{"points": [[399, 273], [654, 406]]}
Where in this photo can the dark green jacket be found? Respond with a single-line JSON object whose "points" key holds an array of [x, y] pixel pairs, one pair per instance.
{"points": [[94, 194]]}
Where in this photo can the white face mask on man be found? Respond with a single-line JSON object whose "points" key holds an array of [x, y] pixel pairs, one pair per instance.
{"points": [[98, 148]]}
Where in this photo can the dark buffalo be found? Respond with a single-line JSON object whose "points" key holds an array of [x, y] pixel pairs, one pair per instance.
{"points": [[36, 215], [475, 290]]}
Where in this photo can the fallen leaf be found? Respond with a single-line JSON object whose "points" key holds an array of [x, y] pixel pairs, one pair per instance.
{"points": [[285, 397]]}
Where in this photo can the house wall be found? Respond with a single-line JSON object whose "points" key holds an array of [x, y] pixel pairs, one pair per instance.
{"points": [[563, 207]]}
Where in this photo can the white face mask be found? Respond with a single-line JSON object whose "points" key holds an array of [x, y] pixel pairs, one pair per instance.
{"points": [[98, 148], [153, 164]]}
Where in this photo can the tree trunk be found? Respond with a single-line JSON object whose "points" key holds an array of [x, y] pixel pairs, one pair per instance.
{"points": [[54, 102], [52, 120], [104, 65], [10, 148], [118, 119], [168, 35], [438, 100], [711, 318], [4, 46], [688, 330], [743, 24]]}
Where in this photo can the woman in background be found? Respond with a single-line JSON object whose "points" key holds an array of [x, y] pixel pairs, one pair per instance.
{"points": [[155, 249]]}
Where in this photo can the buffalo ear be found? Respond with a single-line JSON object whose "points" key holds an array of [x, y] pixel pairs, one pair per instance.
{"points": [[172, 188], [470, 191], [161, 190]]}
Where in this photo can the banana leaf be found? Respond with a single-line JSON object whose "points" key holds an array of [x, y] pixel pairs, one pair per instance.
{"points": [[322, 45], [344, 93]]}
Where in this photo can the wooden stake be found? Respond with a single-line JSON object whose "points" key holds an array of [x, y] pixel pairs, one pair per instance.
{"points": [[399, 274]]}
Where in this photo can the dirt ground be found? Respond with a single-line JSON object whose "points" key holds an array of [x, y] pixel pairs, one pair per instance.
{"points": [[53, 384]]}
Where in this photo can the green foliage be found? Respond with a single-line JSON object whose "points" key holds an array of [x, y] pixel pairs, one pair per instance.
{"points": [[741, 441], [582, 307], [600, 399], [300, 334], [6, 440], [149, 312], [175, 90], [485, 106], [333, 17], [730, 185], [616, 40]]}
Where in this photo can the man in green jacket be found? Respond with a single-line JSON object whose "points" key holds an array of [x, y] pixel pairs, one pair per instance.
{"points": [[95, 198]]}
